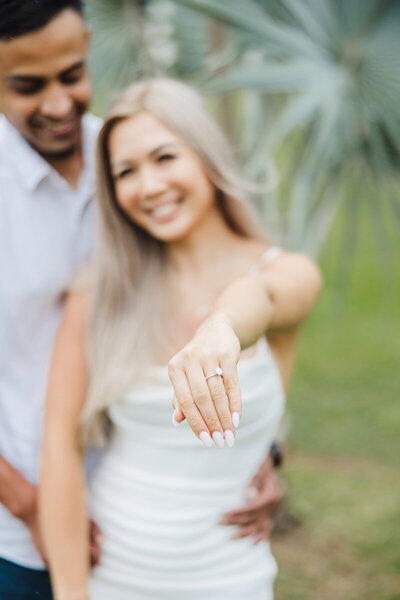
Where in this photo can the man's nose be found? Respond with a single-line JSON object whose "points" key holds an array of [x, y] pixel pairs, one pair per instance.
{"points": [[57, 103]]}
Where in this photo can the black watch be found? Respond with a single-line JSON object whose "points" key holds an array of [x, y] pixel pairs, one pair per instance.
{"points": [[276, 454]]}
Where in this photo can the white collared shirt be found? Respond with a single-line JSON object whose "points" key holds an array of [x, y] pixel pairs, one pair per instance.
{"points": [[46, 234]]}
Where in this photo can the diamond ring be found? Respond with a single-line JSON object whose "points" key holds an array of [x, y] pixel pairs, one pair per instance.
{"points": [[218, 371]]}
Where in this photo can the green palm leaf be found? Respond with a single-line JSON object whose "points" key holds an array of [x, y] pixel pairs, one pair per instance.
{"points": [[315, 83]]}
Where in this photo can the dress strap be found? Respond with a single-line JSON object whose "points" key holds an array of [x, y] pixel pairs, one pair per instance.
{"points": [[266, 257]]}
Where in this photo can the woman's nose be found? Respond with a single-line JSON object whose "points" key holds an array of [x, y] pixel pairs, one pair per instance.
{"points": [[150, 182]]}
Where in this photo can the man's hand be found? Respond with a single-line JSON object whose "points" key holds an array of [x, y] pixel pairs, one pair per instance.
{"points": [[95, 543], [28, 513], [30, 517], [265, 494]]}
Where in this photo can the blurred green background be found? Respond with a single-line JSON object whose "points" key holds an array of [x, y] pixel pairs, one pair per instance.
{"points": [[344, 444], [309, 93]]}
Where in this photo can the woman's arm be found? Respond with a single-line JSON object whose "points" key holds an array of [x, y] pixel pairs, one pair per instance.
{"points": [[289, 284], [277, 299], [62, 500]]}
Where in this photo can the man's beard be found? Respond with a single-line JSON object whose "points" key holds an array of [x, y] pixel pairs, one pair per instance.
{"points": [[60, 154], [70, 150]]}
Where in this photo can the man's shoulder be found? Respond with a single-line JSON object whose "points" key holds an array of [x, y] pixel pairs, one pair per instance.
{"points": [[5, 158], [3, 133], [92, 124]]}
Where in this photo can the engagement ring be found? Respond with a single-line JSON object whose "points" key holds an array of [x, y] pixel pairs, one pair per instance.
{"points": [[218, 371]]}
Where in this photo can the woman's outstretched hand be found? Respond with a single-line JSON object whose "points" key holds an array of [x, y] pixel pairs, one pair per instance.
{"points": [[205, 381]]}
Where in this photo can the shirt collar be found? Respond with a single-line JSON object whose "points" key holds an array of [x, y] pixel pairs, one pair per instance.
{"points": [[30, 166]]}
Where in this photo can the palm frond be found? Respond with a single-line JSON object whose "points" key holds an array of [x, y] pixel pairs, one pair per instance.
{"points": [[323, 72]]}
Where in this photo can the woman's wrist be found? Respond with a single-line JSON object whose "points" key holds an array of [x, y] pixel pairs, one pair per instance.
{"points": [[219, 317]]}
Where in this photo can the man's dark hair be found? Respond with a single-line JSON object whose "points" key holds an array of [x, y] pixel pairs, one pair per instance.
{"points": [[18, 17]]}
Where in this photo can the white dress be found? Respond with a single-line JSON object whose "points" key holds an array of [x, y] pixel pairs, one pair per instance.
{"points": [[159, 493]]}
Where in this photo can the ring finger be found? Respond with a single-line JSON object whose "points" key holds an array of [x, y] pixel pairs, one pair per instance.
{"points": [[204, 402], [216, 386]]}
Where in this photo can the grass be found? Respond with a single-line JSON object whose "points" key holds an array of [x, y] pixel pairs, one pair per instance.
{"points": [[344, 443]]}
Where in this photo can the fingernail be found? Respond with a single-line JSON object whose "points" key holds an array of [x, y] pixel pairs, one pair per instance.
{"points": [[218, 439], [174, 421], [205, 438], [235, 419], [229, 437]]}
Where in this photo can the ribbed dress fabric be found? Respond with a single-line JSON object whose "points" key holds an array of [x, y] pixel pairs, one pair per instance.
{"points": [[159, 493]]}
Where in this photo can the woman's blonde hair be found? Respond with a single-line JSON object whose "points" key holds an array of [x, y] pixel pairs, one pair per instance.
{"points": [[129, 321]]}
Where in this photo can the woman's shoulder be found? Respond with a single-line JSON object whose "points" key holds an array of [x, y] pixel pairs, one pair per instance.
{"points": [[265, 255], [297, 264]]}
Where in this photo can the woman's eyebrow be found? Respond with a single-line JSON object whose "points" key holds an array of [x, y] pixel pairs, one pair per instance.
{"points": [[128, 162], [162, 147], [121, 164]]}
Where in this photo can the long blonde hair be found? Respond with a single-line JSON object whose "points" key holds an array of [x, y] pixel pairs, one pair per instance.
{"points": [[130, 302]]}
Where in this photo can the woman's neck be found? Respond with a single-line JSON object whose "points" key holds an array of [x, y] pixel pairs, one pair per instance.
{"points": [[209, 243]]}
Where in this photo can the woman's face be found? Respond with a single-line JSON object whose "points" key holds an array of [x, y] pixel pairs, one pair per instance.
{"points": [[160, 183]]}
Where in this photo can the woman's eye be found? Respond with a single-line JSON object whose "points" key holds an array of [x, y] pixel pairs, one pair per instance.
{"points": [[165, 157], [125, 173]]}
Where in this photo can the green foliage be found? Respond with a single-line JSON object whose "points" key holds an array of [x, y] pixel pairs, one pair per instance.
{"points": [[343, 448], [320, 76]]}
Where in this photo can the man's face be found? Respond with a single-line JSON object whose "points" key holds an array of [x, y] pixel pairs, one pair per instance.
{"points": [[44, 84]]}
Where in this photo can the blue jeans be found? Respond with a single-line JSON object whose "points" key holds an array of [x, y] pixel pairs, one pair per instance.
{"points": [[20, 583]]}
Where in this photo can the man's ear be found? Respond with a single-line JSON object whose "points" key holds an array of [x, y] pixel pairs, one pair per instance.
{"points": [[88, 36]]}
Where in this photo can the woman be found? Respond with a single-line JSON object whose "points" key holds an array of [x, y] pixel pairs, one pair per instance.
{"points": [[180, 273]]}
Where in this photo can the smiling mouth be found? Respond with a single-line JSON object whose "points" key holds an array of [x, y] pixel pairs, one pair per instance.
{"points": [[166, 211], [60, 129]]}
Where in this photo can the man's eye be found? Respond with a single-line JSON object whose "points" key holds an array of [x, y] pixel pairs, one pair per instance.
{"points": [[27, 90], [72, 77]]}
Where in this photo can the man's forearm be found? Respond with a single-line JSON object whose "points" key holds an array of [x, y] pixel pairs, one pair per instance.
{"points": [[17, 494]]}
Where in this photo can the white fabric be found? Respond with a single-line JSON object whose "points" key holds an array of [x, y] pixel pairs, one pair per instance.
{"points": [[268, 256], [46, 231], [159, 493]]}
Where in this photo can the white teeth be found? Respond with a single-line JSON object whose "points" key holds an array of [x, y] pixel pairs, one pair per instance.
{"points": [[164, 210]]}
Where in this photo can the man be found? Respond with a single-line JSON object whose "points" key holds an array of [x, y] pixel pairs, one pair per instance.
{"points": [[46, 187], [46, 229]]}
